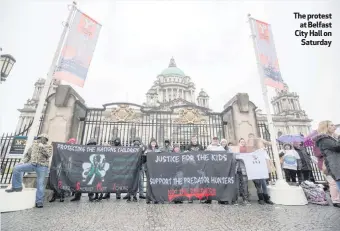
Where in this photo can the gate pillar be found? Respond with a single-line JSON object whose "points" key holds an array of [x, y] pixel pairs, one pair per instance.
{"points": [[239, 118], [63, 112]]}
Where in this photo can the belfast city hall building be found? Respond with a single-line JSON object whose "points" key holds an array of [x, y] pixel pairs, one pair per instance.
{"points": [[174, 109]]}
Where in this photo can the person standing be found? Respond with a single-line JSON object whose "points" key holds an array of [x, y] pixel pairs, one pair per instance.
{"points": [[333, 189], [243, 145], [137, 144], [152, 147], [167, 147], [290, 163], [117, 143], [329, 145], [35, 160], [306, 163], [261, 184], [77, 195], [214, 146], [194, 145], [61, 196], [224, 144]]}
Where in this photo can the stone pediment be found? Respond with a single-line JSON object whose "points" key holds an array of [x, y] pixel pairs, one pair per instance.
{"points": [[167, 106], [189, 116], [122, 113]]}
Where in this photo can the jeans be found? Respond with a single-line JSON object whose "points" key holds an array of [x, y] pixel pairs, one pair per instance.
{"points": [[41, 171], [333, 190], [338, 184], [290, 175], [261, 186]]}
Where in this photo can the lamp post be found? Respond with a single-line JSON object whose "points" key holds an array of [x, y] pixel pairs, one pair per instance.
{"points": [[6, 64]]}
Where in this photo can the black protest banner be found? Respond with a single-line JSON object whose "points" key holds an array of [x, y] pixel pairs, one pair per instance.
{"points": [[191, 176], [94, 168]]}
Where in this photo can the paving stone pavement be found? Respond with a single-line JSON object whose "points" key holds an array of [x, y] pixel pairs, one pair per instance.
{"points": [[120, 215]]}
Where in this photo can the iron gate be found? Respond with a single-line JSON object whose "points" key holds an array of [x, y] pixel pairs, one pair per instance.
{"points": [[160, 125]]}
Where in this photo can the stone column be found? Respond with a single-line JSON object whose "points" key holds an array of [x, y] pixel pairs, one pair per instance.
{"points": [[240, 117]]}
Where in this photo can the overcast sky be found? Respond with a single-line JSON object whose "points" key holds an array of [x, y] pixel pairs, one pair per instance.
{"points": [[208, 39]]}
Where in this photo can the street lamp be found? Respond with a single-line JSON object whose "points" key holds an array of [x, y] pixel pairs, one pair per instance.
{"points": [[6, 64]]}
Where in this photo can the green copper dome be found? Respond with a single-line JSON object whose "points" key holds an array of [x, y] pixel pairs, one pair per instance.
{"points": [[173, 69]]}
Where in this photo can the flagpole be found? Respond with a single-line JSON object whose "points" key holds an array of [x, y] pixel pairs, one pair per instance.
{"points": [[266, 104], [42, 98]]}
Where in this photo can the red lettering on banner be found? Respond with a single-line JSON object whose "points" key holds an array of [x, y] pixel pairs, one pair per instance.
{"points": [[99, 186], [78, 186], [198, 193]]}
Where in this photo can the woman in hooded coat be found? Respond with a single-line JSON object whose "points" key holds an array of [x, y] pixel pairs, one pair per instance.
{"points": [[329, 145], [333, 189], [152, 147]]}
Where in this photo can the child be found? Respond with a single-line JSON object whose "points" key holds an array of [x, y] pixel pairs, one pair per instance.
{"points": [[290, 163]]}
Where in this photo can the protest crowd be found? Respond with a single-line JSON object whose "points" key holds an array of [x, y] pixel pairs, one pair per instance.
{"points": [[295, 161]]}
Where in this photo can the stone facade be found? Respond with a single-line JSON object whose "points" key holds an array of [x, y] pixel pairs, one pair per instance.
{"points": [[171, 111], [288, 117]]}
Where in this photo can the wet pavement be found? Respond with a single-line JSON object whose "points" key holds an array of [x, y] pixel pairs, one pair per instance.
{"points": [[120, 215]]}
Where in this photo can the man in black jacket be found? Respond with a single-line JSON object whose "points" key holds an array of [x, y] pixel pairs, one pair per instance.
{"points": [[116, 142], [194, 145], [136, 143]]}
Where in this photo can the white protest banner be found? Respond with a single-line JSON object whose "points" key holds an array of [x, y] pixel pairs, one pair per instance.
{"points": [[255, 163]]}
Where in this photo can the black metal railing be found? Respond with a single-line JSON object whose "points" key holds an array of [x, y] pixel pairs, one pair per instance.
{"points": [[158, 125], [6, 143], [6, 172], [264, 132]]}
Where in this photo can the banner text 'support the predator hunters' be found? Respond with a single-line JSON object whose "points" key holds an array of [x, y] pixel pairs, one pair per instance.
{"points": [[191, 176], [94, 168]]}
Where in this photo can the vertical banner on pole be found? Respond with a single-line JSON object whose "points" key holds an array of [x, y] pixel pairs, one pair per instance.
{"points": [[267, 54], [78, 49]]}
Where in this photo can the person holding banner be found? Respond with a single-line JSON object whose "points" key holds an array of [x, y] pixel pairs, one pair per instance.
{"points": [[167, 147], [137, 144], [152, 147], [176, 149], [194, 145], [77, 195], [224, 144], [35, 160], [61, 196], [116, 142], [214, 146], [261, 184]]}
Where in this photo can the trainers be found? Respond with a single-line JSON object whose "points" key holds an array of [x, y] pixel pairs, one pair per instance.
{"points": [[126, 197], [261, 202], [13, 190], [246, 202], [134, 199], [142, 197]]}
